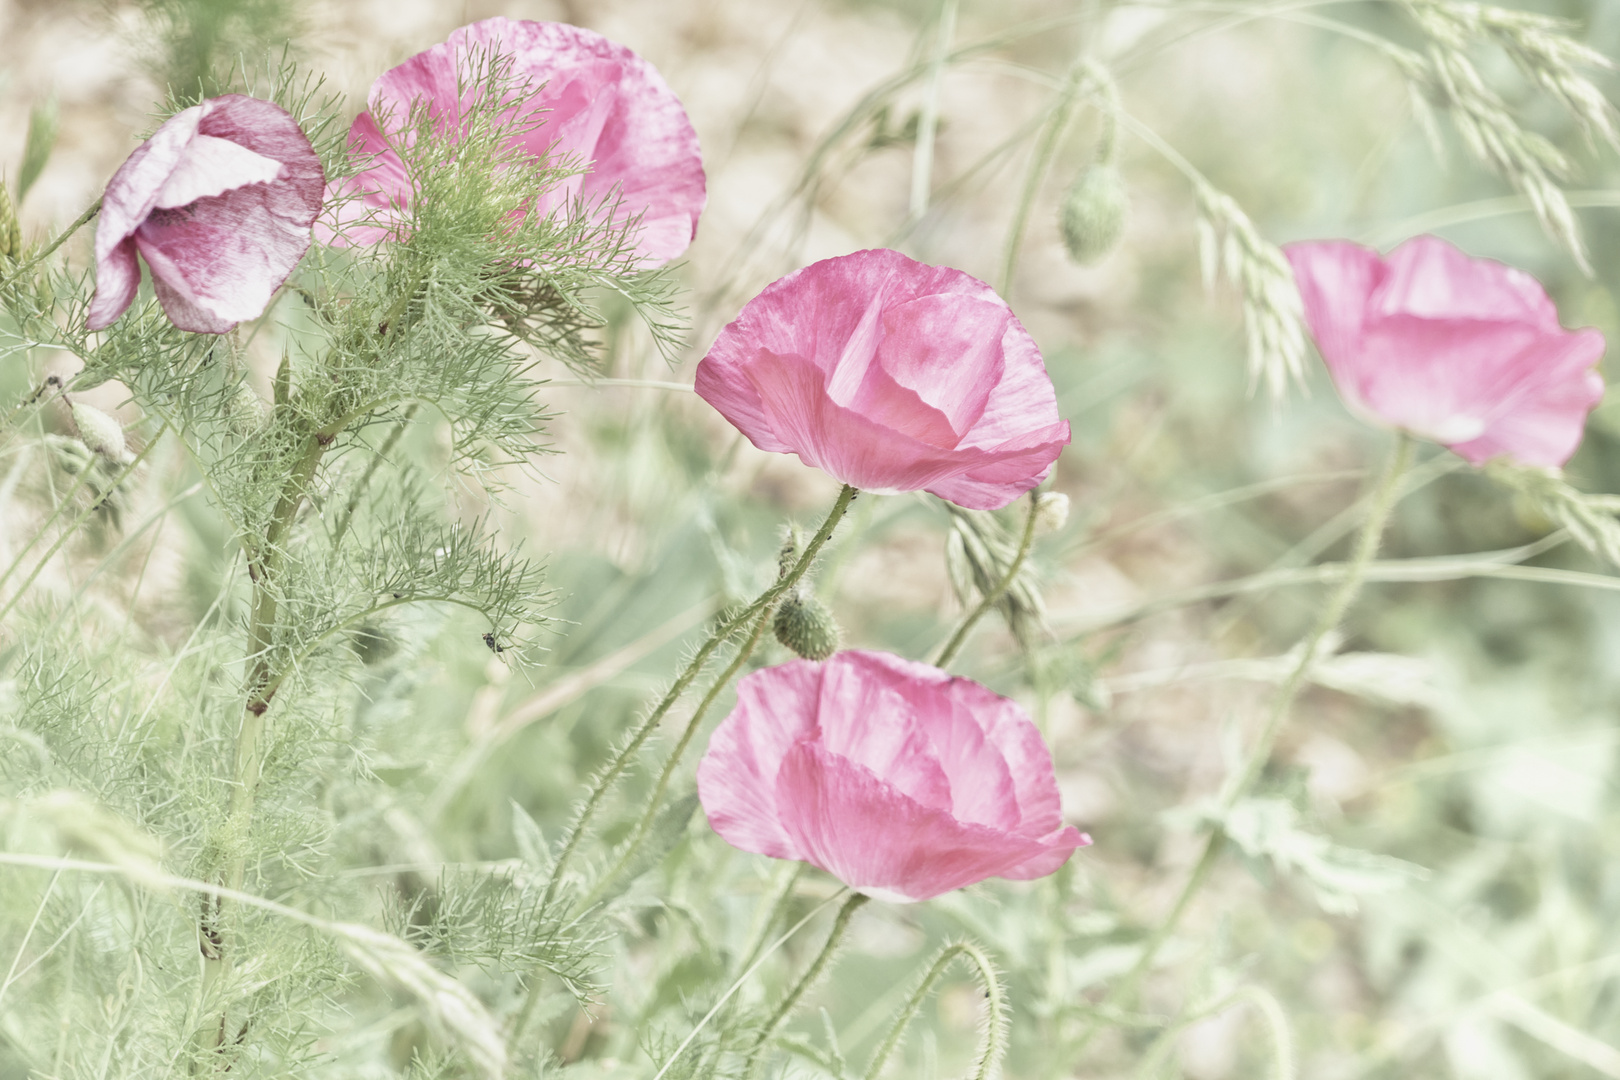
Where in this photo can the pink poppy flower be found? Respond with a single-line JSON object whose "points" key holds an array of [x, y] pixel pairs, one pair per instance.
{"points": [[894, 777], [600, 104], [1466, 352], [890, 375], [219, 202]]}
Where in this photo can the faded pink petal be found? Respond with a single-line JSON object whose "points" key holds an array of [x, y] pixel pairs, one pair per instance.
{"points": [[600, 103], [219, 202], [1466, 352], [890, 375], [896, 778]]}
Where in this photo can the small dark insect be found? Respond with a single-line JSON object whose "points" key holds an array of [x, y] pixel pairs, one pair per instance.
{"points": [[494, 646]]}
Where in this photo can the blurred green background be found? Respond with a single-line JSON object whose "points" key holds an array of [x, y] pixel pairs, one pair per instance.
{"points": [[1453, 909]]}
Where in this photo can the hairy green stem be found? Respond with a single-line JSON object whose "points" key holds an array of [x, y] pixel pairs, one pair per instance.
{"points": [[656, 799], [621, 761], [1333, 612], [993, 1043], [993, 597], [264, 570], [817, 968]]}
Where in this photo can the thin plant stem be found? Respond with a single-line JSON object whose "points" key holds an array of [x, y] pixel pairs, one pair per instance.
{"points": [[769, 910], [922, 162], [1333, 611], [993, 597], [994, 1041], [61, 238], [342, 526], [811, 975], [73, 526], [621, 761], [656, 799], [264, 571], [736, 984]]}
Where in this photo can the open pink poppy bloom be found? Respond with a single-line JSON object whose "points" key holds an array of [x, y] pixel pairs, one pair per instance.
{"points": [[219, 202], [890, 375], [1466, 352], [894, 777], [598, 103]]}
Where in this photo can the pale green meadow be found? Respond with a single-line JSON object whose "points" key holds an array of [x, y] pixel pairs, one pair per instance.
{"points": [[328, 645]]}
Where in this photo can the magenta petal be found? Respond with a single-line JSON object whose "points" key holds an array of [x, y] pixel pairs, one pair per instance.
{"points": [[890, 375], [897, 778], [600, 103], [118, 279], [873, 838], [225, 256], [737, 776], [219, 202], [213, 166], [1431, 279], [1466, 352]]}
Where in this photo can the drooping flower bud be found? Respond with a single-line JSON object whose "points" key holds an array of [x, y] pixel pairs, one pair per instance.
{"points": [[103, 434], [10, 230], [804, 625], [1051, 512], [1094, 212]]}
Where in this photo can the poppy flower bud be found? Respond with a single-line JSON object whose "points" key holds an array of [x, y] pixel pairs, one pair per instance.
{"points": [[103, 434], [10, 231], [804, 625], [1051, 512], [1093, 215]]}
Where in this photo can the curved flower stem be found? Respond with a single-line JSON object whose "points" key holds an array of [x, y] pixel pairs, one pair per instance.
{"points": [[994, 1041], [264, 571], [656, 799], [770, 907], [993, 597], [621, 761], [811, 974], [1372, 533]]}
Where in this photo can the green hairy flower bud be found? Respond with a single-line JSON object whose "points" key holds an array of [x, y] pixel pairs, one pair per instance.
{"points": [[1093, 215], [804, 625], [10, 230], [101, 433]]}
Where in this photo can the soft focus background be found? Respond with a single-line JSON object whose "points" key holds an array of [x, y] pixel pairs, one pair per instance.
{"points": [[1445, 900]]}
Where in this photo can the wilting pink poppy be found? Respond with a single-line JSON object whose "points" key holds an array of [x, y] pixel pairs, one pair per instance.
{"points": [[1466, 352], [890, 375], [894, 777], [219, 202], [596, 102]]}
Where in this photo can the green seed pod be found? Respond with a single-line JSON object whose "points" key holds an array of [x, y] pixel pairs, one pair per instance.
{"points": [[100, 432], [1094, 211], [10, 230], [804, 625]]}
